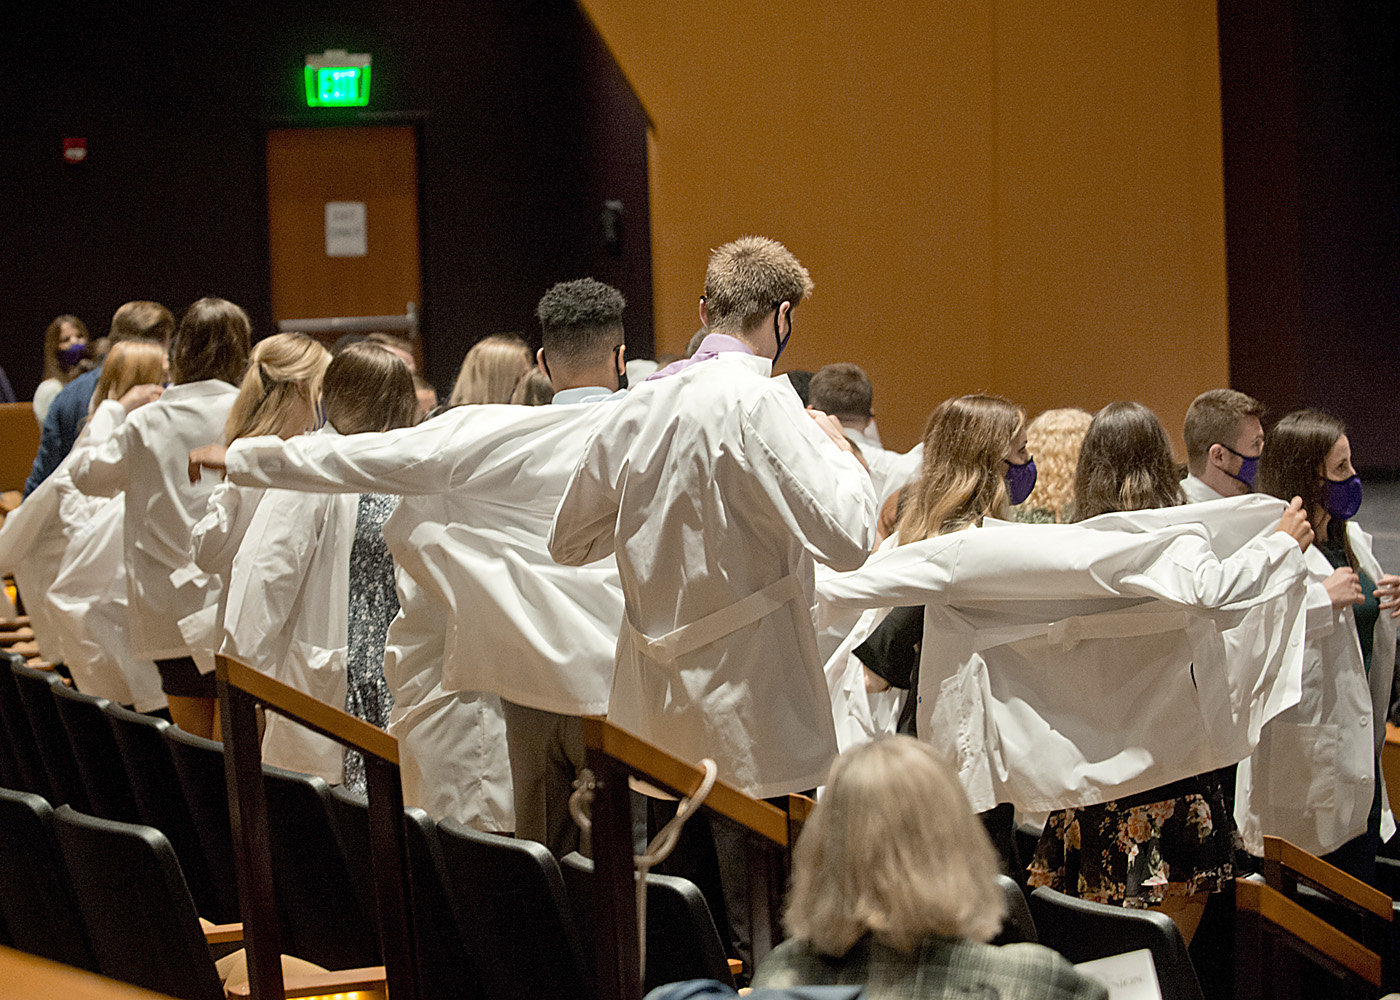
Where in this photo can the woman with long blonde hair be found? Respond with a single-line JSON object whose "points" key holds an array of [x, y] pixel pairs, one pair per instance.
{"points": [[491, 370], [975, 465]]}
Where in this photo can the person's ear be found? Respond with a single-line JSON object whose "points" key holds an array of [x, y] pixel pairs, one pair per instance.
{"points": [[539, 363], [621, 358], [704, 320], [1215, 455]]}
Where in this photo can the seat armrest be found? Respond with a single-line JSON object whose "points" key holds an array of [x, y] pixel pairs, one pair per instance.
{"points": [[367, 980]]}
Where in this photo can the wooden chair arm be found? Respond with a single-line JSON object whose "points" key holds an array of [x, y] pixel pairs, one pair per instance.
{"points": [[222, 933], [1315, 870], [17, 622], [1282, 912], [20, 633], [367, 980], [736, 966]]}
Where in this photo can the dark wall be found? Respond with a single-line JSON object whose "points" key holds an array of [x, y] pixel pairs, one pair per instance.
{"points": [[526, 127], [1312, 209]]}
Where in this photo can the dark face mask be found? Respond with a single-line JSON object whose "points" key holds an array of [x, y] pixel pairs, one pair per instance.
{"points": [[777, 331], [71, 355], [1249, 467], [1020, 480], [1342, 499]]}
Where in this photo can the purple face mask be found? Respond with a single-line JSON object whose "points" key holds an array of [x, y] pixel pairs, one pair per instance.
{"points": [[1342, 499], [1249, 467], [1020, 480], [71, 355]]}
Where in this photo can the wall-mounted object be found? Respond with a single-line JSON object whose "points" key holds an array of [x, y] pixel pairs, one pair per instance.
{"points": [[337, 79], [74, 150]]}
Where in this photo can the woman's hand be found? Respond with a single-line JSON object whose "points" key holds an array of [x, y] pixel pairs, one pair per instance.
{"points": [[211, 456], [1344, 587], [1388, 590], [140, 395], [1295, 523]]}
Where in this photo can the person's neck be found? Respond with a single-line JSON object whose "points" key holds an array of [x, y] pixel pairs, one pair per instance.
{"points": [[1222, 482], [602, 376]]}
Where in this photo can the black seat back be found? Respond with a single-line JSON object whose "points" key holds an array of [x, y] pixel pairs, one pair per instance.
{"points": [[96, 754], [1018, 927], [36, 691], [11, 773], [160, 802], [40, 913], [682, 940], [30, 776], [1082, 931], [137, 909], [199, 766], [511, 900], [317, 901]]}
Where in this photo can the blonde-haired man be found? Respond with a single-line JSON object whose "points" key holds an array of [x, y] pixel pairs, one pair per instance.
{"points": [[717, 491], [1223, 441]]}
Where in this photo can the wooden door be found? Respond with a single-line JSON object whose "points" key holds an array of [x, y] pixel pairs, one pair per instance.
{"points": [[318, 270]]}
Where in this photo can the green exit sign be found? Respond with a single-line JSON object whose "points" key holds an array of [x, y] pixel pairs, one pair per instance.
{"points": [[337, 79]]}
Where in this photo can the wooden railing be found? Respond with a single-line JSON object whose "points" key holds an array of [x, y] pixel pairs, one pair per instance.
{"points": [[615, 755], [241, 690]]}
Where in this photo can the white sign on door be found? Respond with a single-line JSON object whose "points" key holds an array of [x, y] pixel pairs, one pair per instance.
{"points": [[345, 229]]}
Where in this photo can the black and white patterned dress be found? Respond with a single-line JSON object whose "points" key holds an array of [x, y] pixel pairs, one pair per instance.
{"points": [[373, 604]]}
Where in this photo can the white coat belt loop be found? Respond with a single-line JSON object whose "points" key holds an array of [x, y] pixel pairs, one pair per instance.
{"points": [[719, 624]]}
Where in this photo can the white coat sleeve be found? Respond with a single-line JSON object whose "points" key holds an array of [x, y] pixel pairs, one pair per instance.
{"points": [[1188, 572], [412, 461], [212, 545], [585, 521], [269, 572], [822, 493], [102, 471]]}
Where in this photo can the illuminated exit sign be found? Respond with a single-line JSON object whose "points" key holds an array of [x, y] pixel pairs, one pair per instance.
{"points": [[337, 79]]}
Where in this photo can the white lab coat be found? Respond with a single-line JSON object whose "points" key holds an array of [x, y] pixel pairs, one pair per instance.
{"points": [[889, 470], [1065, 665], [480, 485], [716, 492], [1311, 778], [287, 613], [148, 459], [214, 541]]}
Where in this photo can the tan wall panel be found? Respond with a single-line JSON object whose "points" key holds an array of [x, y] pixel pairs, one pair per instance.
{"points": [[988, 196]]}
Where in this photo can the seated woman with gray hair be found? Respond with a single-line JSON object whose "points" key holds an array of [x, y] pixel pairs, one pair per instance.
{"points": [[894, 888]]}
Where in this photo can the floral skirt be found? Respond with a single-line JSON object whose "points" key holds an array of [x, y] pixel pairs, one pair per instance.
{"points": [[1176, 840]]}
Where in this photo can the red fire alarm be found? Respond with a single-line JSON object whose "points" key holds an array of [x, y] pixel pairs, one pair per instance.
{"points": [[74, 150]]}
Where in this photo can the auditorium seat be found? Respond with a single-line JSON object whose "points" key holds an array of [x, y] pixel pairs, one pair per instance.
{"points": [[160, 802], [152, 937], [511, 900], [1018, 927], [682, 940], [199, 766], [37, 905], [446, 962], [321, 915], [49, 736], [1082, 931], [96, 754], [19, 757]]}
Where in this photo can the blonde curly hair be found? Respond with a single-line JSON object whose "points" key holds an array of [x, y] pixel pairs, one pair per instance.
{"points": [[1053, 440]]}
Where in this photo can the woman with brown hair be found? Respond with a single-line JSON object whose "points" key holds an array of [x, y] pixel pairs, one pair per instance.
{"points": [[1167, 848], [147, 458], [312, 590], [1314, 779], [491, 370], [65, 345]]}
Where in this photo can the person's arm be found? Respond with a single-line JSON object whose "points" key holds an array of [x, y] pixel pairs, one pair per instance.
{"points": [[51, 450], [584, 528], [102, 471], [816, 484], [212, 545], [891, 651]]}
